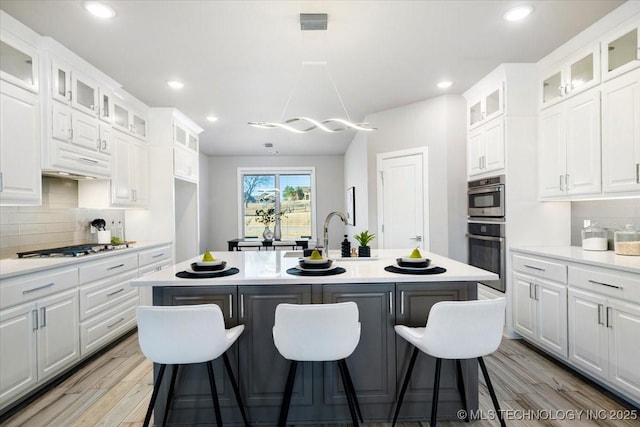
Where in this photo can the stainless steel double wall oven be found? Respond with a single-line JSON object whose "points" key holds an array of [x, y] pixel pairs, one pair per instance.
{"points": [[486, 228]]}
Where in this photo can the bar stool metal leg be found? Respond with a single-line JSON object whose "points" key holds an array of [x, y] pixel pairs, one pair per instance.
{"points": [[494, 399], [463, 395], [436, 391], [167, 407], [154, 395], [407, 376], [347, 390], [352, 388], [288, 390], [236, 390], [214, 394]]}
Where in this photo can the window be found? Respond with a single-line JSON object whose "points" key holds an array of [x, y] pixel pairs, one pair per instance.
{"points": [[288, 193]]}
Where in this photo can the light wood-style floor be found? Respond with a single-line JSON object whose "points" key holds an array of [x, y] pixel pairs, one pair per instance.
{"points": [[114, 390]]}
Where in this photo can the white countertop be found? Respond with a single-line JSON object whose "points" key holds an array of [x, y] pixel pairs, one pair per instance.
{"points": [[607, 259], [10, 267], [269, 268]]}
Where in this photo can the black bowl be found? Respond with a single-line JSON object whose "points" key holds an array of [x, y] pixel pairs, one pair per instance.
{"points": [[317, 265], [421, 264], [217, 267]]}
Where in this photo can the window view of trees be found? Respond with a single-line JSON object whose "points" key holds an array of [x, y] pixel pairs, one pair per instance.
{"points": [[267, 196]]}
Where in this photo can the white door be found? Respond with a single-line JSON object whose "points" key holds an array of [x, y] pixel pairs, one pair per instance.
{"points": [[588, 335], [553, 154], [121, 174], [552, 316], [403, 200], [624, 345], [494, 146], [524, 306]]}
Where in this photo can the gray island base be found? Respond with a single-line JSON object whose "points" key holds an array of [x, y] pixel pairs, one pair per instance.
{"points": [[377, 365]]}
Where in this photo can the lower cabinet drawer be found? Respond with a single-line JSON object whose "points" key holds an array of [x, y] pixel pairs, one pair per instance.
{"points": [[619, 284], [154, 255], [539, 267], [100, 330], [99, 296], [28, 287], [108, 267]]}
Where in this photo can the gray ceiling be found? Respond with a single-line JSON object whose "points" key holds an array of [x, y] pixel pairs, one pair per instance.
{"points": [[240, 59]]}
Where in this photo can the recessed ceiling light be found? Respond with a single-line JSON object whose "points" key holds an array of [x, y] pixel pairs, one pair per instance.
{"points": [[517, 13], [98, 9], [212, 119], [444, 84], [175, 84]]}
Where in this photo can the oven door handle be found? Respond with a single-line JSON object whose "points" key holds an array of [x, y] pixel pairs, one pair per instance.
{"points": [[489, 238], [482, 190]]}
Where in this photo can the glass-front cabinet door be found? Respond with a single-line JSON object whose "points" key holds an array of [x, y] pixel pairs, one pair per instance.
{"points": [[487, 107], [84, 94], [61, 81], [179, 135], [18, 63], [475, 114], [621, 50], [576, 74], [139, 126], [121, 118], [105, 105], [192, 142]]}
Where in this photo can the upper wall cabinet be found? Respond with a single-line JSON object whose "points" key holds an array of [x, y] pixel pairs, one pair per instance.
{"points": [[576, 74], [20, 182], [621, 50], [71, 87], [487, 106], [621, 133], [129, 121]]}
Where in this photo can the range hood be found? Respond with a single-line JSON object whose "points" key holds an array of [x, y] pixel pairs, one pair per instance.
{"points": [[68, 175]]}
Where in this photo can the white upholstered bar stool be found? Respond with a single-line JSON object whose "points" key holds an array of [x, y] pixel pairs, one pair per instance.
{"points": [[180, 335], [317, 333], [456, 330]]}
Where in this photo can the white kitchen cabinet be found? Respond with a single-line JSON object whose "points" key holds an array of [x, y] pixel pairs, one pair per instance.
{"points": [[19, 64], [540, 312], [574, 75], [71, 87], [105, 105], [130, 182], [37, 340], [621, 50], [20, 176], [106, 139], [604, 326], [485, 149], [150, 261], [569, 149], [186, 164], [621, 133], [85, 131], [487, 106], [127, 120], [183, 137]]}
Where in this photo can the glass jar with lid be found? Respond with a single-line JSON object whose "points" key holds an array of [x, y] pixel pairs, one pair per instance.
{"points": [[627, 241], [594, 238]]}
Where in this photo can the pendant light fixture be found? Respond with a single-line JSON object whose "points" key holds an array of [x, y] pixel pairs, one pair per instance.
{"points": [[301, 124]]}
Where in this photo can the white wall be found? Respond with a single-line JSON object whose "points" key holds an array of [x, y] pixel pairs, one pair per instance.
{"points": [[355, 175], [438, 124], [222, 196]]}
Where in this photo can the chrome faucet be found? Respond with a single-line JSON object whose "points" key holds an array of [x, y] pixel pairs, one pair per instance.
{"points": [[342, 216]]}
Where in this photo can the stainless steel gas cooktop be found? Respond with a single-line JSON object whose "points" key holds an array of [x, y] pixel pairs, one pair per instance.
{"points": [[73, 250]]}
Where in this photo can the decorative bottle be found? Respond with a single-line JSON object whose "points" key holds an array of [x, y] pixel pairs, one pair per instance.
{"points": [[345, 248]]}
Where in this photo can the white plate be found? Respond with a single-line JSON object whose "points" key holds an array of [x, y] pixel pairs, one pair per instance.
{"points": [[316, 261], [316, 269], [407, 259], [208, 272], [209, 263], [416, 268]]}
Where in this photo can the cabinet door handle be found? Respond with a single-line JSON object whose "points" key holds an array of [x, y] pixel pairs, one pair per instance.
{"points": [[605, 284], [230, 306], [115, 266], [637, 173], [104, 144], [402, 302], [561, 182], [39, 288], [85, 159], [69, 95], [531, 291], [115, 292], [34, 315], [391, 302], [1, 183], [115, 323], [70, 134], [242, 306], [600, 307], [158, 256], [533, 267], [480, 162], [98, 143], [43, 323], [609, 325], [566, 182], [536, 292]]}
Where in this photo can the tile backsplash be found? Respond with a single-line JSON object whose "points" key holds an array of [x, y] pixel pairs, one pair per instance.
{"points": [[58, 222], [608, 214]]}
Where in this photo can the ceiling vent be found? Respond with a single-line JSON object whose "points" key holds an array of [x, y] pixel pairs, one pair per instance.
{"points": [[313, 21]]}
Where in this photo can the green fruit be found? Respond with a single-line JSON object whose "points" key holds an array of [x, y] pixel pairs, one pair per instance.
{"points": [[208, 257], [415, 254], [315, 255]]}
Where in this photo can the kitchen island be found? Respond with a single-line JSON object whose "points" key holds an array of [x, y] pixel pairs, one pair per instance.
{"points": [[384, 299]]}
